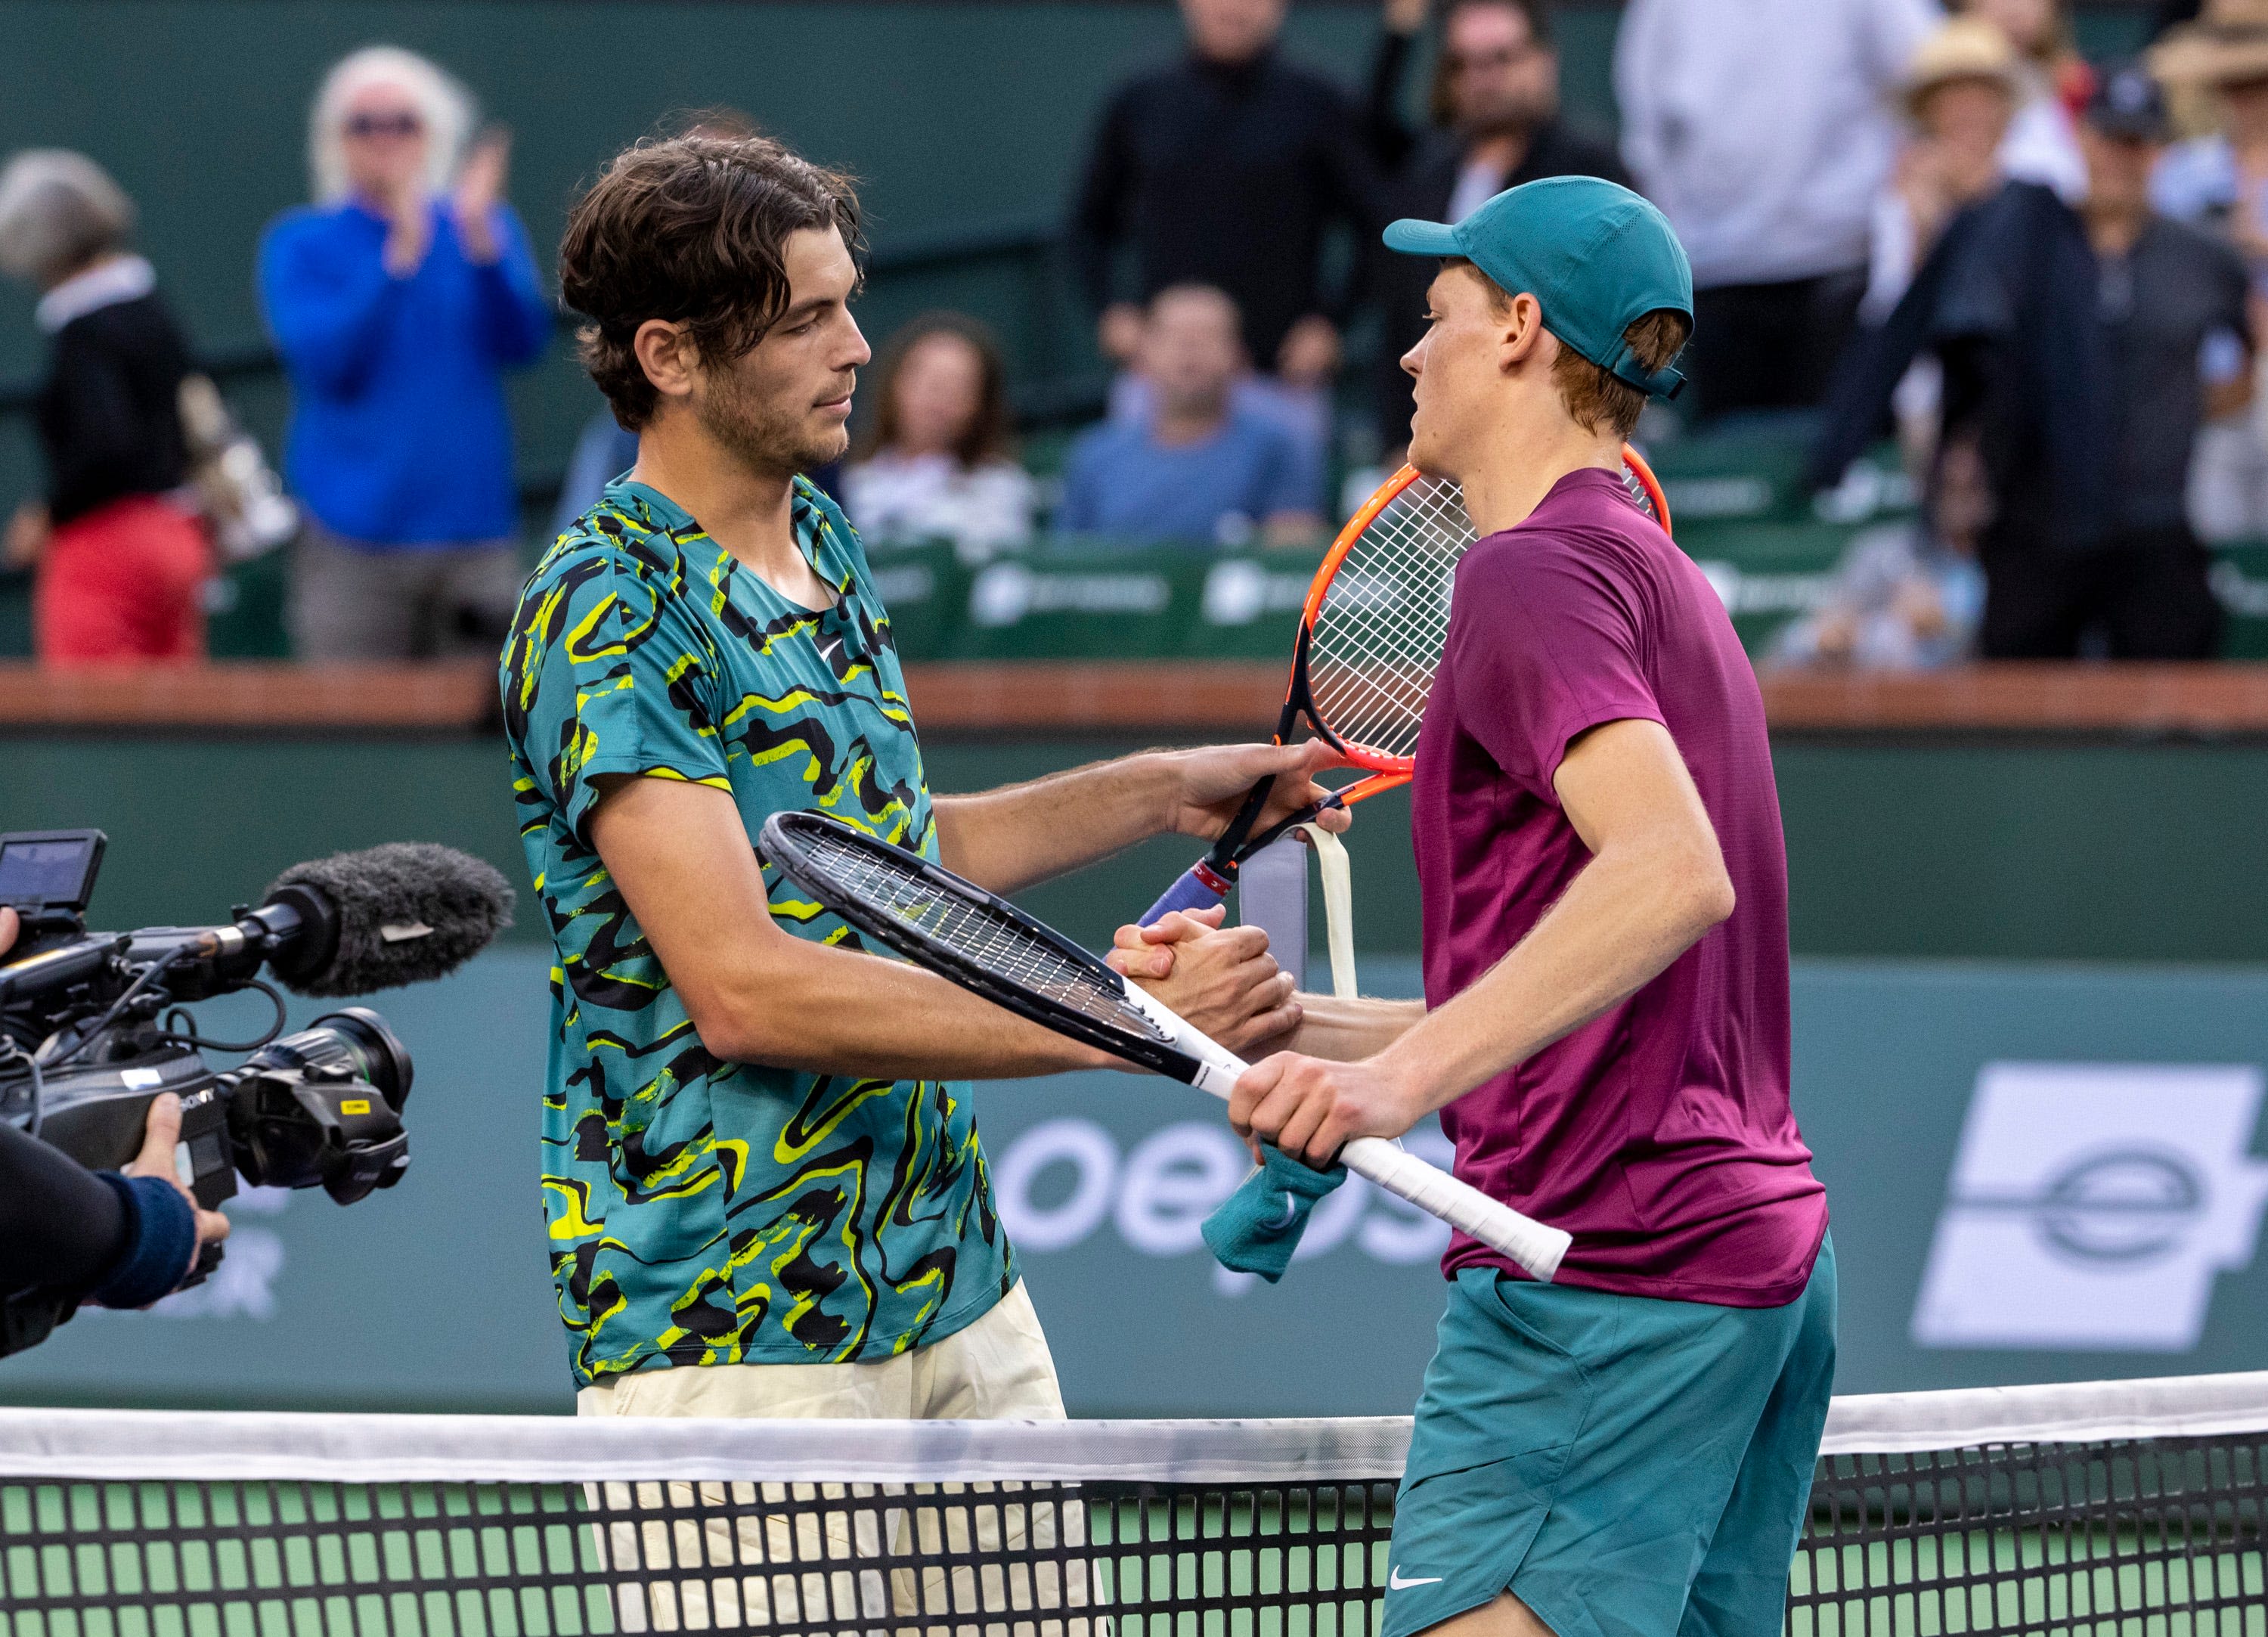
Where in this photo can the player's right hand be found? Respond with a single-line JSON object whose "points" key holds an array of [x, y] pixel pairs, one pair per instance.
{"points": [[1221, 980]]}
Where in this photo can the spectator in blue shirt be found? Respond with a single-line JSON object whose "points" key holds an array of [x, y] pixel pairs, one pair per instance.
{"points": [[1197, 468], [399, 299]]}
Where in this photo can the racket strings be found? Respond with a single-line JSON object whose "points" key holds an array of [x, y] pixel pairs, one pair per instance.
{"points": [[977, 932], [1384, 620]]}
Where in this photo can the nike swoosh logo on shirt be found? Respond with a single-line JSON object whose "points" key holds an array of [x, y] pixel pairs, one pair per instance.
{"points": [[1396, 1581]]}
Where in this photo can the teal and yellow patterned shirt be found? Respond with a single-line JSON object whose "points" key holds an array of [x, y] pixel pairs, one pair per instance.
{"points": [[703, 1212]]}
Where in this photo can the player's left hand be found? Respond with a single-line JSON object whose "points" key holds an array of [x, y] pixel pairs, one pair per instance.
{"points": [[1209, 785], [1311, 1109]]}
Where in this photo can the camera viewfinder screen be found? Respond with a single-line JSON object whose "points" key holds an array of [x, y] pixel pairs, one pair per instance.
{"points": [[44, 872]]}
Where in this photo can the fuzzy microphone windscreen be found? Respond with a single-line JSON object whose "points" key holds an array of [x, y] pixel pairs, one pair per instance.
{"points": [[408, 911]]}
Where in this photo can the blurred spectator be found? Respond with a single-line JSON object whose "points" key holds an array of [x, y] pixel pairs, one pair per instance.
{"points": [[1199, 468], [2170, 13], [1907, 596], [1960, 91], [1960, 94], [121, 557], [2219, 181], [2051, 82], [1494, 123], [1764, 128], [934, 461], [2072, 345], [399, 299], [1228, 169]]}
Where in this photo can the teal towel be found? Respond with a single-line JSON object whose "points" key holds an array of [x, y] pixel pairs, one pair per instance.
{"points": [[1257, 1227]]}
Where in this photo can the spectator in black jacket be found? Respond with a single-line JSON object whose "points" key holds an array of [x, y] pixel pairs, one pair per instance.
{"points": [[2074, 345], [1228, 168], [122, 561], [122, 1239], [1494, 112]]}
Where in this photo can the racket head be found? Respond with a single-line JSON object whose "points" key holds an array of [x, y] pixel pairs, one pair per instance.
{"points": [[1376, 618], [969, 936]]}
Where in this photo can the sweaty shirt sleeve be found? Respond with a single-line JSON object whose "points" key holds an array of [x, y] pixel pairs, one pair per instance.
{"points": [[1544, 645], [605, 675]]}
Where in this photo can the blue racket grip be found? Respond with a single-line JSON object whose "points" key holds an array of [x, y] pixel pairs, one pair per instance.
{"points": [[1200, 887]]}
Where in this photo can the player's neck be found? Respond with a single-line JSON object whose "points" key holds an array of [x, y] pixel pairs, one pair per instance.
{"points": [[746, 510], [1523, 463]]}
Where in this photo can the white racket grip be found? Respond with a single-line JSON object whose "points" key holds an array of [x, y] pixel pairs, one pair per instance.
{"points": [[1461, 1206], [1390, 1166]]}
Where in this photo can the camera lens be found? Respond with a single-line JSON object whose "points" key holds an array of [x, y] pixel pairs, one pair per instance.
{"points": [[376, 1052], [355, 1038]]}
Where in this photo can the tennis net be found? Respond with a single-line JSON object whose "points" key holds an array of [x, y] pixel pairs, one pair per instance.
{"points": [[2127, 1508]]}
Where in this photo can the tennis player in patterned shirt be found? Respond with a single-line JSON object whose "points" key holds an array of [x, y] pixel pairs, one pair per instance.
{"points": [[763, 1182], [1626, 1452]]}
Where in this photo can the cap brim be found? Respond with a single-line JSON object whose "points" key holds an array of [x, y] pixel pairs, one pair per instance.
{"points": [[1412, 237]]}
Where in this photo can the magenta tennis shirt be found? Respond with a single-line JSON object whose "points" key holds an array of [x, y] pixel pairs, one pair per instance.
{"points": [[1659, 1135]]}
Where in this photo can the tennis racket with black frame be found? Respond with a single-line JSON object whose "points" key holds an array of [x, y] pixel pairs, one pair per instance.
{"points": [[1371, 637], [991, 947]]}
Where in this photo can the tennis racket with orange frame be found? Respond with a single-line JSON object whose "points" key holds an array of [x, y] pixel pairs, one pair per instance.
{"points": [[1371, 637]]}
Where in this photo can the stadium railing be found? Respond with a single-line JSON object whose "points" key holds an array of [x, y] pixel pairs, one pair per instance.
{"points": [[1139, 698], [2098, 1509]]}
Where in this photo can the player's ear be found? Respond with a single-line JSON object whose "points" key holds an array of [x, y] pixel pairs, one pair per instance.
{"points": [[1521, 335], [666, 352]]}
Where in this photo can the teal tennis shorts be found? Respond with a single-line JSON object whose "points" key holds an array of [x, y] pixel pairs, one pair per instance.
{"points": [[1626, 1467]]}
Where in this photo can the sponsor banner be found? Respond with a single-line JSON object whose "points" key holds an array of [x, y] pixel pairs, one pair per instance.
{"points": [[2092, 1206], [2033, 1175]]}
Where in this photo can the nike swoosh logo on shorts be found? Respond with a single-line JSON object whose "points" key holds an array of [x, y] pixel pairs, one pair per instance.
{"points": [[1395, 1583]]}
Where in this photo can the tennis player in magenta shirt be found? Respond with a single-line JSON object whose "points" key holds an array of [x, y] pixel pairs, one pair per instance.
{"points": [[1626, 1452]]}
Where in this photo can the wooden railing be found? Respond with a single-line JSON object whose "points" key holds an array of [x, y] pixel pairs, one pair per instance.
{"points": [[1128, 699]]}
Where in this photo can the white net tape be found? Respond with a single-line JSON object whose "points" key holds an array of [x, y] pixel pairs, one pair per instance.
{"points": [[167, 1444]]}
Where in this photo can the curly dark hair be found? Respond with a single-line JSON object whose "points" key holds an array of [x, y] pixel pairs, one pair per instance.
{"points": [[693, 229], [987, 437]]}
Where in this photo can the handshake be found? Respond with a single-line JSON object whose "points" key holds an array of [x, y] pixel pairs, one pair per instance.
{"points": [[1222, 980]]}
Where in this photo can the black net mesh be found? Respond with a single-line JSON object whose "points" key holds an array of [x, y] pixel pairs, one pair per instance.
{"points": [[2152, 1538], [313, 1559], [2159, 1536]]}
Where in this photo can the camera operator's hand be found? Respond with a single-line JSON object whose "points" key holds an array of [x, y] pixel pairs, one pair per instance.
{"points": [[8, 928], [161, 1134]]}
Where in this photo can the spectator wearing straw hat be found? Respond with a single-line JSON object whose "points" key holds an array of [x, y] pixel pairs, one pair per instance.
{"points": [[2219, 181], [1960, 95], [2051, 82], [122, 558], [399, 300]]}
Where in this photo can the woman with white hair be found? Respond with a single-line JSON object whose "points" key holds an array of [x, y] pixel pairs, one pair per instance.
{"points": [[123, 558], [399, 299]]}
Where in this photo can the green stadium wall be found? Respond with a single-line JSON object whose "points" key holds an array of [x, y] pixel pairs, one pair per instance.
{"points": [[1982, 849]]}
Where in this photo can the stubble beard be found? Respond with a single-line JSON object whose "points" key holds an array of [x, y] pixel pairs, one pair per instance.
{"points": [[762, 434]]}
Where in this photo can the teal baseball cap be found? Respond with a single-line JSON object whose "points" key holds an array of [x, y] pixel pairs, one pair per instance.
{"points": [[1596, 257]]}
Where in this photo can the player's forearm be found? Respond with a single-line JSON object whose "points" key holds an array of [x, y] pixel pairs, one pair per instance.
{"points": [[1346, 1031], [830, 1011], [1006, 839], [1629, 914]]}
